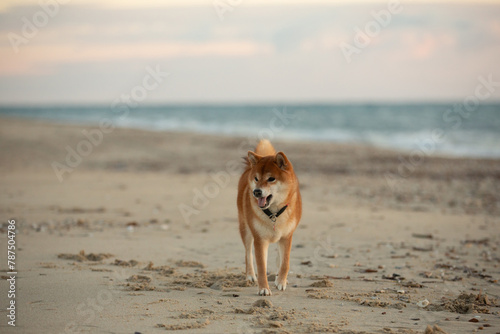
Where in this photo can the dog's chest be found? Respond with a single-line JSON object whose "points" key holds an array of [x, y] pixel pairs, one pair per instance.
{"points": [[273, 231]]}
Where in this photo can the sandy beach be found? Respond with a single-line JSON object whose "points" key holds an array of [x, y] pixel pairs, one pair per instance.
{"points": [[141, 236]]}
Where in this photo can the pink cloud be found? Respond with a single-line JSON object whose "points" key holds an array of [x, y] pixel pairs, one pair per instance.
{"points": [[36, 59]]}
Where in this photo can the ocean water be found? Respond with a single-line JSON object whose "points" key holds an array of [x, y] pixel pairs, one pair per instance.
{"points": [[474, 133]]}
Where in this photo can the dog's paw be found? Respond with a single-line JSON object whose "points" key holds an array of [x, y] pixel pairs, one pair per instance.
{"points": [[251, 278], [265, 292], [280, 285]]}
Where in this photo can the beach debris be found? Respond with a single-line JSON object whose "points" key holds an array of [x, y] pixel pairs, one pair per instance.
{"points": [[263, 303], [81, 210], [486, 255], [281, 315], [102, 270], [324, 283], [139, 283], [139, 279], [452, 256], [190, 264], [412, 284], [428, 274], [162, 270], [468, 271], [275, 324], [234, 295], [82, 223], [394, 277], [317, 277], [422, 236], [334, 256], [306, 263], [219, 285], [434, 330], [317, 327], [401, 292], [81, 257], [317, 294], [484, 241], [220, 279], [423, 249], [404, 256], [48, 265], [374, 303], [184, 326], [423, 303], [121, 263], [251, 310], [483, 299], [466, 303]]}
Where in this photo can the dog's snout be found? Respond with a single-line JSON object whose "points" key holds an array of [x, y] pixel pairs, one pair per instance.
{"points": [[257, 193]]}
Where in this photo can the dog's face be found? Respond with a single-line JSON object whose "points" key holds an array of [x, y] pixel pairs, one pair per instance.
{"points": [[269, 178]]}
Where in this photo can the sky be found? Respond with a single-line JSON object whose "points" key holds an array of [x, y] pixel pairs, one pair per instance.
{"points": [[241, 51]]}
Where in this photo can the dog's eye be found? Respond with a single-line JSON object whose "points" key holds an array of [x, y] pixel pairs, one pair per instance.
{"points": [[256, 179], [271, 179]]}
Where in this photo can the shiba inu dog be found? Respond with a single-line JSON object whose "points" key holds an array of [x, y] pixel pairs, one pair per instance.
{"points": [[269, 210]]}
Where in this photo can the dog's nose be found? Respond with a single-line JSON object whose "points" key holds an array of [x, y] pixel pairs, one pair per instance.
{"points": [[257, 193]]}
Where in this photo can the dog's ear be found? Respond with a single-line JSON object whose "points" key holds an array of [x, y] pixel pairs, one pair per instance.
{"points": [[253, 158], [282, 161]]}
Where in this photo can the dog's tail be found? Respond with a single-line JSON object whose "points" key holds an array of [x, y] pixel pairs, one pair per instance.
{"points": [[264, 148]]}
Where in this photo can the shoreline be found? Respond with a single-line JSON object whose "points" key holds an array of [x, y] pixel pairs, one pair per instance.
{"points": [[311, 141]]}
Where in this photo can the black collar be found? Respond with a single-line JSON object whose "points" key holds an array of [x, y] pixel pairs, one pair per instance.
{"points": [[273, 216]]}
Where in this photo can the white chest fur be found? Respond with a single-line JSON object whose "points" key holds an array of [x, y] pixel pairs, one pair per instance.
{"points": [[273, 231]]}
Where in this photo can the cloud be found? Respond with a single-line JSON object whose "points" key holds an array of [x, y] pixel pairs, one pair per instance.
{"points": [[256, 54], [41, 59]]}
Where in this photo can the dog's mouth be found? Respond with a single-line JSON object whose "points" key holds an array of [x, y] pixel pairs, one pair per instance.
{"points": [[264, 202]]}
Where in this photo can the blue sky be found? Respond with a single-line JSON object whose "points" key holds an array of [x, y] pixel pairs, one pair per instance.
{"points": [[88, 53]]}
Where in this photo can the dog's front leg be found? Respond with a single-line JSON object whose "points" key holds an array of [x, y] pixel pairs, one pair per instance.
{"points": [[285, 246], [261, 247]]}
